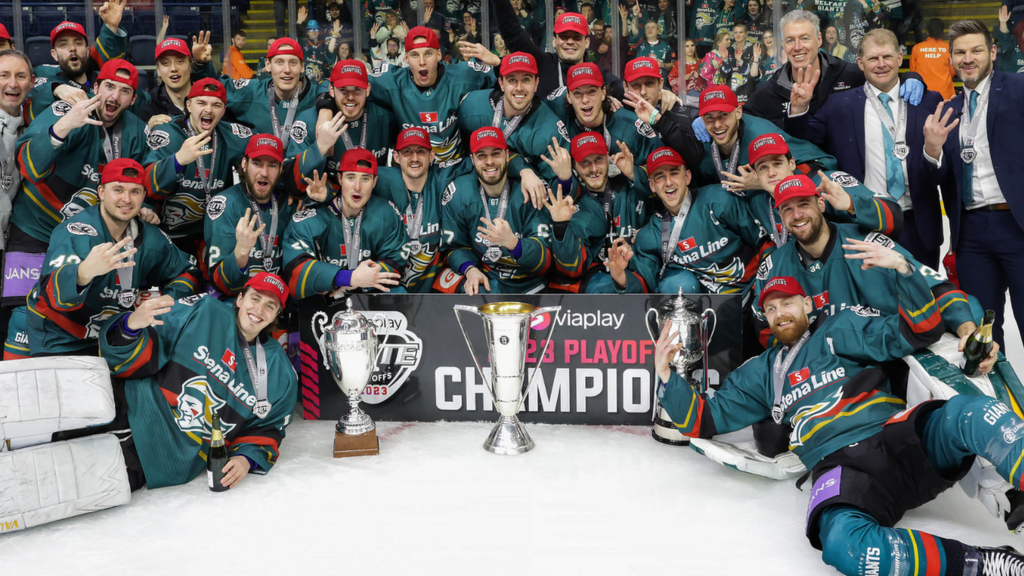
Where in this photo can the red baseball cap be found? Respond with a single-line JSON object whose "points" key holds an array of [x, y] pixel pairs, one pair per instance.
{"points": [[794, 187], [285, 47], [208, 87], [269, 284], [485, 137], [584, 74], [717, 99], [587, 143], [428, 39], [67, 27], [642, 68], [175, 45], [261, 145], [766, 145], [783, 284], [112, 67], [663, 156], [518, 62], [571, 22], [413, 136], [350, 161], [4, 33], [349, 73], [114, 171]]}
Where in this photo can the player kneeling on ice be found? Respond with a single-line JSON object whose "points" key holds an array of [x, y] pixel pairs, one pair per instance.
{"points": [[184, 361], [871, 459]]}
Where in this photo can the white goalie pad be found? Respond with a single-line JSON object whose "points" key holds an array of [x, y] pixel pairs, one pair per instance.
{"points": [[61, 480], [922, 385], [743, 456], [40, 396]]}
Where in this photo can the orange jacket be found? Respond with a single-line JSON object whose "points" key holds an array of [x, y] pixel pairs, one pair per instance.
{"points": [[235, 66], [930, 59]]}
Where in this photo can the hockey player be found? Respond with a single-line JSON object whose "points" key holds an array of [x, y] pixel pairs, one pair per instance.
{"points": [[870, 459], [177, 71], [356, 241], [416, 188], [848, 201], [97, 262], [731, 131], [427, 93], [703, 241], [514, 108], [77, 65], [591, 214], [587, 108], [369, 126], [510, 253]]}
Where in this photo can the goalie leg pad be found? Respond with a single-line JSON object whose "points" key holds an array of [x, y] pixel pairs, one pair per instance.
{"points": [[61, 480], [743, 456]]}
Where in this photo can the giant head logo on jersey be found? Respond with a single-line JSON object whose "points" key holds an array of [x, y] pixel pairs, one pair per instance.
{"points": [[82, 199], [194, 406]]}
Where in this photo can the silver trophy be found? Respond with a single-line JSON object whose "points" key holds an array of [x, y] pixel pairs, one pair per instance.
{"points": [[350, 345], [695, 336], [507, 330]]}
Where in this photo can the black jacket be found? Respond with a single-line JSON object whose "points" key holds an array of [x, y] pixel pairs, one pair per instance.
{"points": [[771, 100], [160, 103]]}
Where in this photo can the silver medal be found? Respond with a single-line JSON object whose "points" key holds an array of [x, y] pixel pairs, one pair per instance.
{"points": [[901, 150], [126, 298], [493, 254], [415, 247], [777, 414], [968, 154], [261, 409]]}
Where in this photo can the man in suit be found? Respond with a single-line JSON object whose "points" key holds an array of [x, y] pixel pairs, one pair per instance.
{"points": [[875, 113], [982, 175]]}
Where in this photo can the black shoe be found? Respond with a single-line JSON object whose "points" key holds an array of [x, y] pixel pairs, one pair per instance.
{"points": [[1015, 517], [1003, 561]]}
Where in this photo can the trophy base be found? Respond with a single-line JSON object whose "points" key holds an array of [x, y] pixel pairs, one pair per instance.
{"points": [[508, 437], [665, 431], [366, 444]]}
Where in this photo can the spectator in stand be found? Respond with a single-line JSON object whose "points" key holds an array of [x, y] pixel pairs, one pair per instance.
{"points": [[930, 58], [743, 66], [1009, 58], [316, 54], [701, 14], [859, 18], [835, 48], [263, 66], [161, 34], [234, 62], [694, 82], [727, 16], [433, 19], [711, 67], [587, 10], [470, 33], [666, 18], [500, 50], [653, 46], [379, 36], [529, 23], [769, 65], [755, 20]]}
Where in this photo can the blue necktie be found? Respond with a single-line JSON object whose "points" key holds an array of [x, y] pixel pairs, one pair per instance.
{"points": [[967, 187], [893, 166]]}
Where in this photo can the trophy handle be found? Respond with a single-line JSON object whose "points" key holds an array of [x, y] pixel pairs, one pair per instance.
{"points": [[553, 310], [647, 324], [320, 320], [472, 352], [709, 313]]}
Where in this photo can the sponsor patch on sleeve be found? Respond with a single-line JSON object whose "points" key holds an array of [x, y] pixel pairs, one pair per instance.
{"points": [[865, 311], [241, 131], [764, 268], [303, 214], [82, 229], [448, 194], [241, 83], [191, 300], [216, 207], [60, 107], [843, 179], [879, 238], [479, 67], [644, 129], [158, 139]]}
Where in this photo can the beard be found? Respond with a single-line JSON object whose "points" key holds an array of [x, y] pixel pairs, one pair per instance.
{"points": [[814, 231], [250, 184], [71, 70], [791, 333], [502, 171]]}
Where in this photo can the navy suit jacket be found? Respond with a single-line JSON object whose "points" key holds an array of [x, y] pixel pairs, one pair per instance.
{"points": [[838, 128], [1005, 122]]}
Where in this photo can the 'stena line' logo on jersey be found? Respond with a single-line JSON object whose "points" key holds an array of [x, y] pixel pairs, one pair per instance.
{"points": [[799, 377], [688, 244], [821, 300], [229, 359], [428, 117], [763, 141]]}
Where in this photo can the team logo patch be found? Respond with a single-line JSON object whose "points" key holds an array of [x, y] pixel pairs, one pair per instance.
{"points": [[799, 377], [563, 131], [82, 199], [240, 131], [216, 207], [40, 81], [191, 300], [865, 311], [82, 229], [299, 132], [879, 238], [843, 179], [241, 83], [303, 214], [60, 107], [764, 268], [448, 194], [195, 406], [644, 129], [485, 68], [449, 163], [379, 70], [158, 139]]}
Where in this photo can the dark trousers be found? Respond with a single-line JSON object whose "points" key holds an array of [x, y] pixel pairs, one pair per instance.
{"points": [[990, 261], [911, 240]]}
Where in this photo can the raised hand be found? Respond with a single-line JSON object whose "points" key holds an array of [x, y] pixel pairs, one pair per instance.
{"points": [[192, 148], [79, 115], [619, 255], [873, 254], [329, 132], [803, 89], [111, 13], [370, 274], [336, 28], [70, 94], [157, 120], [665, 350], [246, 235], [473, 50], [641, 106], [835, 195], [561, 207], [558, 159], [474, 278], [1004, 15], [669, 99], [498, 232], [624, 160], [103, 259], [316, 188], [937, 128], [202, 51], [301, 14], [534, 189], [149, 217], [746, 179], [146, 314]]}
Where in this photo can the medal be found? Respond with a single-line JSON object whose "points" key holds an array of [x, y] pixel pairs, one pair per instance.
{"points": [[415, 247], [900, 150], [777, 414], [261, 409], [126, 298], [493, 254], [969, 129]]}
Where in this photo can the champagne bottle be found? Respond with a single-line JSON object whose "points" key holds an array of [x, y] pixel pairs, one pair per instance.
{"points": [[979, 345], [217, 458]]}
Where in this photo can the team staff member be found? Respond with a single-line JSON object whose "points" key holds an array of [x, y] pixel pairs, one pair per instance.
{"points": [[97, 263], [171, 397], [356, 241], [871, 459], [416, 187], [177, 71], [702, 241], [589, 216], [514, 108], [983, 174], [880, 140], [368, 125], [498, 245]]}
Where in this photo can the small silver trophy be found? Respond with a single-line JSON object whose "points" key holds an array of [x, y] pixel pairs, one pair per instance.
{"points": [[507, 331], [696, 338], [350, 345]]}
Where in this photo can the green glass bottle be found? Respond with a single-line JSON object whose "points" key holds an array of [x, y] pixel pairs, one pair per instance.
{"points": [[979, 345], [217, 458]]}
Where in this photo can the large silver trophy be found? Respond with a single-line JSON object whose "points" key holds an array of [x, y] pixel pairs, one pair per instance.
{"points": [[350, 345], [695, 337], [507, 330]]}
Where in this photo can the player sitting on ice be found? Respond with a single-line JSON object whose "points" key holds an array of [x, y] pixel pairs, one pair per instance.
{"points": [[182, 360], [871, 459]]}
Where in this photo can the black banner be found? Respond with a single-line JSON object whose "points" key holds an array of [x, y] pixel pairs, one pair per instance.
{"points": [[598, 368]]}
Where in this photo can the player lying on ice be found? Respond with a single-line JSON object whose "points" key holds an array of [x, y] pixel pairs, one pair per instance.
{"points": [[871, 459], [182, 361]]}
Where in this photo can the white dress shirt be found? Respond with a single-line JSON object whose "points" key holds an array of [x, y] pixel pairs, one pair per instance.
{"points": [[874, 149], [986, 187]]}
